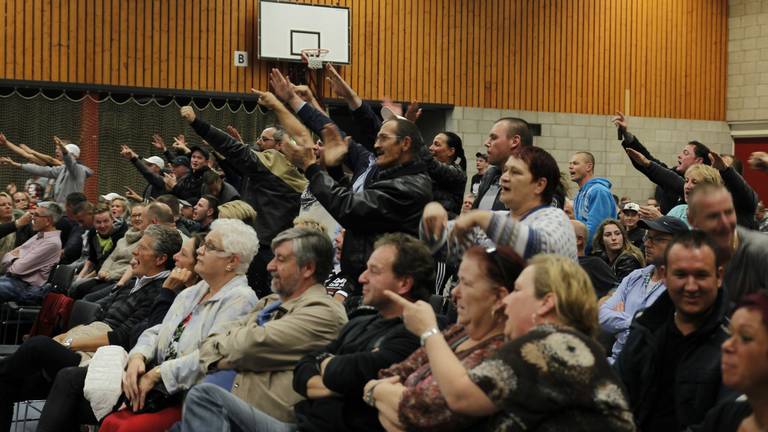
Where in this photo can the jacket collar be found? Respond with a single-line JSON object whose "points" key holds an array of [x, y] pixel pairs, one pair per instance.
{"points": [[662, 310], [408, 168]]}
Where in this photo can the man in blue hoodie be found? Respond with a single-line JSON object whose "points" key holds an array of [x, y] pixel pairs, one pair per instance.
{"points": [[594, 203]]}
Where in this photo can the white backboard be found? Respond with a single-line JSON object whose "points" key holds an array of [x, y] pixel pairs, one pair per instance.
{"points": [[287, 28]]}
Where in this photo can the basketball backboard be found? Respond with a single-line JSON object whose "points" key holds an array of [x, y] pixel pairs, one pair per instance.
{"points": [[287, 28]]}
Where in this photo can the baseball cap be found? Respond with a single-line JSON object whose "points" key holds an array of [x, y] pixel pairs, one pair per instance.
{"points": [[665, 224], [387, 114], [197, 148], [631, 206], [180, 160], [110, 196], [74, 149], [481, 155], [184, 203], [155, 160]]}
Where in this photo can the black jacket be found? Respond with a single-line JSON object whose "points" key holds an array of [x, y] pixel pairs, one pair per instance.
{"points": [[366, 344], [491, 176], [392, 202], [448, 183], [602, 276], [269, 183], [122, 310], [698, 384], [156, 183], [623, 265]]}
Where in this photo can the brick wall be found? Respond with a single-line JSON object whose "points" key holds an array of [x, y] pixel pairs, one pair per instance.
{"points": [[747, 94], [563, 134]]}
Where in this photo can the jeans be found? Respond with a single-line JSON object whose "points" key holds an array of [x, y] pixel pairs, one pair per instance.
{"points": [[208, 407], [29, 372], [14, 289]]}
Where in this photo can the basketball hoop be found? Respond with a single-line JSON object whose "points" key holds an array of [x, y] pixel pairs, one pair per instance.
{"points": [[314, 57]]}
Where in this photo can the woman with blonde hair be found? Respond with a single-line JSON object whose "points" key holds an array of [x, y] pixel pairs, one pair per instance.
{"points": [[550, 374], [238, 209], [612, 244], [695, 175]]}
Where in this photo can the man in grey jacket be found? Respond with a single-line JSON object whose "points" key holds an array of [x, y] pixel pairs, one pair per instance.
{"points": [[69, 177]]}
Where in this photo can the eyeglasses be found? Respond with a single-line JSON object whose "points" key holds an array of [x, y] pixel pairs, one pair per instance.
{"points": [[655, 239], [384, 137], [209, 247], [263, 138]]}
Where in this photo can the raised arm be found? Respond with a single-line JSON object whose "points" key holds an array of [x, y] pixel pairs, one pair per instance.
{"points": [[5, 142]]}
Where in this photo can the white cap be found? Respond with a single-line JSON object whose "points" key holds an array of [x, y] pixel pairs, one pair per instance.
{"points": [[631, 206], [74, 149], [155, 160], [387, 114], [110, 196]]}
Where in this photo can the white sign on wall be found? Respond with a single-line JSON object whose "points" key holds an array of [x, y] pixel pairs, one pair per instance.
{"points": [[241, 58]]}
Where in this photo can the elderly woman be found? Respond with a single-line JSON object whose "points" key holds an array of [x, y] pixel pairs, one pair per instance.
{"points": [[530, 180], [166, 355], [7, 242], [745, 369], [612, 244], [66, 407], [550, 375], [485, 279]]}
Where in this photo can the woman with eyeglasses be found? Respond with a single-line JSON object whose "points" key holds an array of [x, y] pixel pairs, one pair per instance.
{"points": [[530, 180], [407, 395], [165, 358], [549, 375]]}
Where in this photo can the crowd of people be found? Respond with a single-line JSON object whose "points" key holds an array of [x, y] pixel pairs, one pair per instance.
{"points": [[329, 280]]}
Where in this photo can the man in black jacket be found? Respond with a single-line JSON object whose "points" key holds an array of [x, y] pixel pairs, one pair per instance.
{"points": [[392, 202], [670, 364], [332, 379], [29, 372]]}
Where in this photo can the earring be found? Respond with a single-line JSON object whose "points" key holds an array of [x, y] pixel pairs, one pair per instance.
{"points": [[533, 319], [229, 268]]}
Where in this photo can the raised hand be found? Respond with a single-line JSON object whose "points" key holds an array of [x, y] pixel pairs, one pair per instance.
{"points": [[418, 317], [170, 180], [759, 161], [267, 99], [334, 147], [619, 120], [413, 112], [127, 153], [3, 140], [158, 142], [717, 161], [234, 133], [132, 195], [180, 144], [340, 87], [300, 156], [281, 85], [435, 219]]}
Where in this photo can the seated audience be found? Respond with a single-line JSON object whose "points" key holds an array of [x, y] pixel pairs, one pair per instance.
{"points": [[549, 375], [670, 364], [466, 205], [332, 378], [612, 245], [29, 372], [168, 354], [252, 360], [28, 266], [7, 242], [744, 252], [640, 289], [206, 211], [66, 407], [530, 180]]}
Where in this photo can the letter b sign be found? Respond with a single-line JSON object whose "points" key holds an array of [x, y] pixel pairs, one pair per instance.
{"points": [[241, 58]]}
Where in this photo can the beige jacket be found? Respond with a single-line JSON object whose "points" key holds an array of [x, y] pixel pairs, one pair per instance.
{"points": [[265, 356]]}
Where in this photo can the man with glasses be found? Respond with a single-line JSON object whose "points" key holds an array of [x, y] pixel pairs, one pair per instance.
{"points": [[642, 287], [28, 266], [269, 184]]}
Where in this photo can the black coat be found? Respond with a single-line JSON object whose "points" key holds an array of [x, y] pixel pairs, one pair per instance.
{"points": [[697, 385], [366, 344], [392, 202], [448, 183]]}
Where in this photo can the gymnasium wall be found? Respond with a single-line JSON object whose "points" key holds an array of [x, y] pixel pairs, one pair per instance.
{"points": [[656, 58]]}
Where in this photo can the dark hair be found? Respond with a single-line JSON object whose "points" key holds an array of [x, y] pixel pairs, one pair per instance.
{"points": [[198, 239], [210, 177], [702, 151], [693, 239], [541, 164], [406, 128], [413, 260], [454, 142], [518, 126], [213, 203], [171, 201], [167, 242], [756, 301], [501, 264], [74, 198], [84, 207]]}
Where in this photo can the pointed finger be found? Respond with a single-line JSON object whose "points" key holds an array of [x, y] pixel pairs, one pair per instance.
{"points": [[397, 298]]}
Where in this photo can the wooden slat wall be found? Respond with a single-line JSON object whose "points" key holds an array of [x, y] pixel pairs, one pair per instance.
{"points": [[545, 55]]}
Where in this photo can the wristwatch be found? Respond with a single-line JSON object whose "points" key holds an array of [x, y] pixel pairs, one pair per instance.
{"points": [[427, 334], [320, 358], [67, 343]]}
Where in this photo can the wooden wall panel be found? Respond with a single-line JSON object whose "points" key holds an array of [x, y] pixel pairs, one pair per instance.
{"points": [[545, 55]]}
